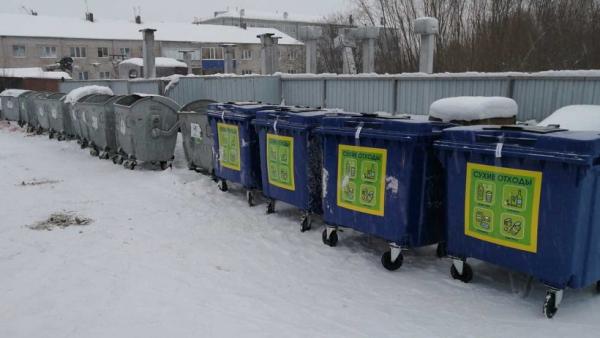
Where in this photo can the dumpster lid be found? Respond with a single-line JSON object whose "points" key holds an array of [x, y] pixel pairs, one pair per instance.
{"points": [[553, 141], [133, 99], [99, 98], [56, 96], [197, 106], [380, 126], [14, 92], [531, 129], [291, 115]]}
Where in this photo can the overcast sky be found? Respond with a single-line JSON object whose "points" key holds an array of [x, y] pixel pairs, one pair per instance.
{"points": [[170, 10]]}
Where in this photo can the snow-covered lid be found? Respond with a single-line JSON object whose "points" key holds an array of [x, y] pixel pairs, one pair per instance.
{"points": [[14, 92], [101, 29], [471, 108], [160, 62], [33, 73], [76, 94], [575, 117]]}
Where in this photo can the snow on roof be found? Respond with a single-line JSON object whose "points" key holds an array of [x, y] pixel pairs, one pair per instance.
{"points": [[575, 117], [13, 92], [470, 108], [33, 73], [161, 62], [78, 93], [76, 28], [262, 15]]}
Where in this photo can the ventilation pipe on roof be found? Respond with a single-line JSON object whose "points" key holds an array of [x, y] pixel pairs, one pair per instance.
{"points": [[345, 41], [138, 19], [89, 16], [148, 52], [229, 51], [286, 15], [187, 58], [269, 53], [367, 36], [310, 35], [428, 28]]}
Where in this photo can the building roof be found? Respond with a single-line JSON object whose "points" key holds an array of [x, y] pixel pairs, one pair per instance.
{"points": [[56, 27], [33, 73], [271, 16], [160, 62]]}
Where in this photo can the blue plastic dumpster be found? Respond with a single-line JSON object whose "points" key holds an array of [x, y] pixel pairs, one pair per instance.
{"points": [[524, 198], [381, 177], [236, 148], [290, 157]]}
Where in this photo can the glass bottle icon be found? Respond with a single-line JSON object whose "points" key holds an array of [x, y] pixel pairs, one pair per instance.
{"points": [[480, 192], [519, 199]]}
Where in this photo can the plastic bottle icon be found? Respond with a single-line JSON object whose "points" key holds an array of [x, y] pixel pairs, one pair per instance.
{"points": [[488, 196], [480, 192]]}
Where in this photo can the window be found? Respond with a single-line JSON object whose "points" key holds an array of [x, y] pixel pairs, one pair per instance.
{"points": [[84, 76], [292, 71], [104, 75], [246, 54], [78, 52], [212, 53], [19, 51], [126, 52], [246, 72], [48, 52], [102, 52], [292, 54]]}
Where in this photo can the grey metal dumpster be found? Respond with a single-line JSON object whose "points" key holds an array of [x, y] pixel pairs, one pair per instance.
{"points": [[39, 112], [12, 102], [59, 117], [99, 116], [197, 136], [147, 129], [80, 121], [30, 106]]}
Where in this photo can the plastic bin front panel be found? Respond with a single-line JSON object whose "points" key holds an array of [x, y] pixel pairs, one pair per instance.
{"points": [[291, 165], [534, 216], [388, 188]]}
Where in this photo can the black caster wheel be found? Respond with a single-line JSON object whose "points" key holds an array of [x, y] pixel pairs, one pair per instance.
{"points": [[332, 240], [20, 124], [39, 131], [306, 223], [192, 167], [129, 164], [51, 135], [83, 144], [250, 198], [271, 207], [466, 276], [60, 138], [117, 159], [94, 152], [550, 305], [441, 250], [104, 155], [164, 165], [386, 261], [222, 184]]}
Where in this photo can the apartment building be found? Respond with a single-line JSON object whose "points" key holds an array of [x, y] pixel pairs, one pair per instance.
{"points": [[98, 46]]}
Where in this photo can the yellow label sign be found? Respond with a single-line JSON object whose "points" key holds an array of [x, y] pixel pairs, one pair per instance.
{"points": [[280, 161], [361, 179], [229, 146], [502, 205]]}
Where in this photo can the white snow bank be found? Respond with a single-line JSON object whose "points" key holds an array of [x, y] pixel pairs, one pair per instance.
{"points": [[470, 108], [33, 73], [13, 92], [575, 117], [161, 62], [76, 94]]}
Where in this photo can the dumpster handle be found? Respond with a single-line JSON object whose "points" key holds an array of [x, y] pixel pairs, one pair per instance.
{"points": [[521, 141], [156, 132]]}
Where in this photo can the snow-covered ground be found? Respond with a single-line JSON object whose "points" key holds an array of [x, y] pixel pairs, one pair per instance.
{"points": [[169, 255]]}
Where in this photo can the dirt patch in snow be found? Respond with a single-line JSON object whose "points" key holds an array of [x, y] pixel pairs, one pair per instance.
{"points": [[61, 220], [35, 182]]}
